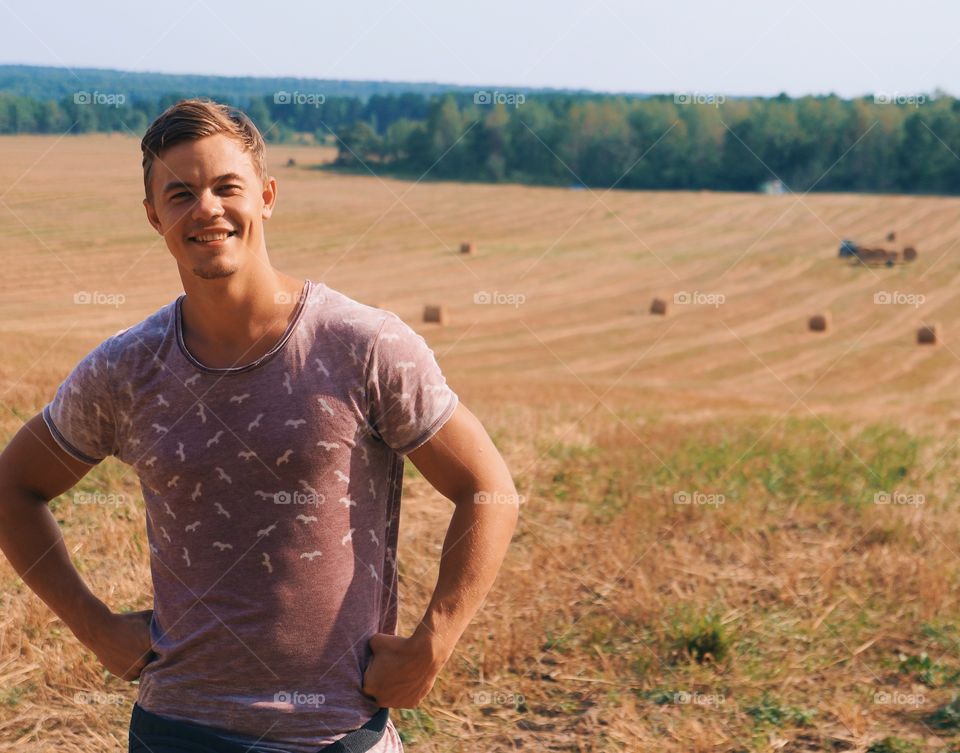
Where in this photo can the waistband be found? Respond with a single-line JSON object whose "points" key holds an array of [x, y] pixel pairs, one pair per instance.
{"points": [[145, 723]]}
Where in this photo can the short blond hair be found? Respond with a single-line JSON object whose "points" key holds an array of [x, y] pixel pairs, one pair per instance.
{"points": [[192, 119]]}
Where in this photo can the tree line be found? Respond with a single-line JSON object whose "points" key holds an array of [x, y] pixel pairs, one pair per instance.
{"points": [[823, 143]]}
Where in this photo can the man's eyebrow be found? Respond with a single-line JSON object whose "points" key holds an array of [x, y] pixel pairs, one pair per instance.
{"points": [[176, 184]]}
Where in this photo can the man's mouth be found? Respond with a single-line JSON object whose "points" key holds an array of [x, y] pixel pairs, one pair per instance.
{"points": [[210, 239]]}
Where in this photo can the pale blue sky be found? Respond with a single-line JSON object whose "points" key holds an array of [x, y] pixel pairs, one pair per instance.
{"points": [[851, 47]]}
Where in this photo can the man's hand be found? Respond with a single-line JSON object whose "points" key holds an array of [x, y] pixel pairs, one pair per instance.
{"points": [[122, 643], [402, 670]]}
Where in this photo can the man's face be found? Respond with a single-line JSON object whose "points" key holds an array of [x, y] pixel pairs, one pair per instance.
{"points": [[209, 204]]}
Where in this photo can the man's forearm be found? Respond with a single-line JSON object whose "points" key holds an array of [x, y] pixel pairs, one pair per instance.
{"points": [[473, 550], [31, 540]]}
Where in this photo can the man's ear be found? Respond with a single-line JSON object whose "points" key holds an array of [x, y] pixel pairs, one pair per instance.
{"points": [[152, 216], [269, 197]]}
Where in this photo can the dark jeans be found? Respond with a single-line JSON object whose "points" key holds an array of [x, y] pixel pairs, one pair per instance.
{"points": [[150, 733]]}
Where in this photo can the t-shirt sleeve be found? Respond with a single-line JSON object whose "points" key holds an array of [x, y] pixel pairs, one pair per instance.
{"points": [[81, 415], [409, 399]]}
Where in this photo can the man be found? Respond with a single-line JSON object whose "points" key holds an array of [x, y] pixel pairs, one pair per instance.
{"points": [[267, 418]]}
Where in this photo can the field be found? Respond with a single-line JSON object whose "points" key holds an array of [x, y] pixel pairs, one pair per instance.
{"points": [[738, 535]]}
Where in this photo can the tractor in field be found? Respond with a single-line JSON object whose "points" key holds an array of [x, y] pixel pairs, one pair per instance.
{"points": [[868, 255]]}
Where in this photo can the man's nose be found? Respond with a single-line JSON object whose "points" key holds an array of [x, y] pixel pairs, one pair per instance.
{"points": [[208, 205]]}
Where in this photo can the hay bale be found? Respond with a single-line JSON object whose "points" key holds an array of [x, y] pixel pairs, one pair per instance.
{"points": [[909, 253], [436, 313], [891, 236], [291, 162], [658, 306], [820, 322], [892, 258], [929, 334], [468, 247]]}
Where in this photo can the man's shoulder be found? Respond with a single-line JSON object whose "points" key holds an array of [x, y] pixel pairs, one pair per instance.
{"points": [[141, 341], [348, 318]]}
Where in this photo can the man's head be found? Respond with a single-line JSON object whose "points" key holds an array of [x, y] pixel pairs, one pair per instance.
{"points": [[207, 188]]}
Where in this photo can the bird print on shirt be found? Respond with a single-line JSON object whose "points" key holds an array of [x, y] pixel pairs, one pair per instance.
{"points": [[318, 407]]}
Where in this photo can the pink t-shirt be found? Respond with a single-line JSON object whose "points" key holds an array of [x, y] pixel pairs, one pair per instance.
{"points": [[272, 495]]}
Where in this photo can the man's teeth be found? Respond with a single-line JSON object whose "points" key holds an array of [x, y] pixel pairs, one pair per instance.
{"points": [[214, 237]]}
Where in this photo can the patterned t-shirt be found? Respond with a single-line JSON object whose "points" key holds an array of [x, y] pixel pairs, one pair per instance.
{"points": [[272, 495]]}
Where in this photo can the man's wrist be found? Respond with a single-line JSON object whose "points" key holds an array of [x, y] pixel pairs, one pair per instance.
{"points": [[87, 619], [435, 648]]}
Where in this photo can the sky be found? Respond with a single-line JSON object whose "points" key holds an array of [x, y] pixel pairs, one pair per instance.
{"points": [[739, 47]]}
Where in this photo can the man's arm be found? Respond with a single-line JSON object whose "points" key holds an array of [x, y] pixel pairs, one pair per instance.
{"points": [[462, 463], [33, 470]]}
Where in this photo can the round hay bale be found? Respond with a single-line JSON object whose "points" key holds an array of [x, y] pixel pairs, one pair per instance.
{"points": [[891, 236], [820, 322], [436, 313], [892, 258], [468, 247], [658, 306], [291, 162], [909, 253], [929, 334]]}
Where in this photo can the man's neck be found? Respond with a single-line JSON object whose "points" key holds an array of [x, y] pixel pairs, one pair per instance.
{"points": [[235, 320]]}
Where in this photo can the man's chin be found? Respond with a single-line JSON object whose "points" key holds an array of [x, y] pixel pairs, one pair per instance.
{"points": [[214, 271]]}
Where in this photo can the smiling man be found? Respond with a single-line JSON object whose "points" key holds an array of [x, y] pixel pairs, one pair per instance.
{"points": [[268, 419]]}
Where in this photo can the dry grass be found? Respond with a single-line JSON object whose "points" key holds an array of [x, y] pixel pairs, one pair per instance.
{"points": [[764, 614]]}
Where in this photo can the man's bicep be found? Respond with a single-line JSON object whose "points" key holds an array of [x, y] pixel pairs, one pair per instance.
{"points": [[461, 459], [34, 462]]}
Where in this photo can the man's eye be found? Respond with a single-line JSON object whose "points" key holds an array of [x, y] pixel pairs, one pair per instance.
{"points": [[178, 195], [231, 187]]}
